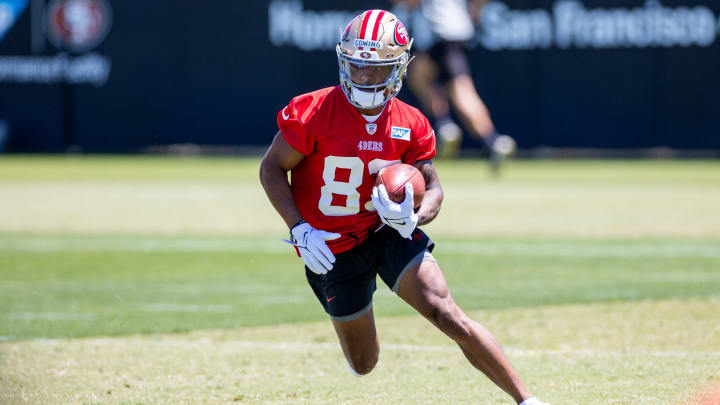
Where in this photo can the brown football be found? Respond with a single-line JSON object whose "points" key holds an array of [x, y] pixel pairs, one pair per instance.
{"points": [[394, 178]]}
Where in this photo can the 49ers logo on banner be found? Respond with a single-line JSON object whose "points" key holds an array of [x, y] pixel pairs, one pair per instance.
{"points": [[78, 25], [401, 34]]}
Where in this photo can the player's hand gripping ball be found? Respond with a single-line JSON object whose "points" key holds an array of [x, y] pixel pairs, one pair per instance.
{"points": [[395, 198], [394, 178]]}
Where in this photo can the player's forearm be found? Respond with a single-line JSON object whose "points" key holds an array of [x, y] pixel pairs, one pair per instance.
{"points": [[277, 188], [430, 207]]}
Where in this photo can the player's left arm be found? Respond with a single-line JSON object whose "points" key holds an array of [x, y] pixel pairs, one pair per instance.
{"points": [[430, 206]]}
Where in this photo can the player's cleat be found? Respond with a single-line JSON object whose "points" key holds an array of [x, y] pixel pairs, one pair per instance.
{"points": [[352, 370], [504, 145], [533, 401], [449, 136], [501, 147]]}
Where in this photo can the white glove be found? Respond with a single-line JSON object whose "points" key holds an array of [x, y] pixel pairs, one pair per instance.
{"points": [[533, 401], [400, 216], [310, 242]]}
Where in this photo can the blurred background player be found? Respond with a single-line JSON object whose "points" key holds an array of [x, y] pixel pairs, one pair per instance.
{"points": [[441, 76]]}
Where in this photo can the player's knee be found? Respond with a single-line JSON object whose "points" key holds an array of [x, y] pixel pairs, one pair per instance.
{"points": [[362, 365], [453, 322]]}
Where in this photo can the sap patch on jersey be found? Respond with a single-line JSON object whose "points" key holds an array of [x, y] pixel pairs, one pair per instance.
{"points": [[400, 133]]}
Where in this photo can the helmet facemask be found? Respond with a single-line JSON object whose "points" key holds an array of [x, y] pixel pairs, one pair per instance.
{"points": [[373, 56], [369, 83]]}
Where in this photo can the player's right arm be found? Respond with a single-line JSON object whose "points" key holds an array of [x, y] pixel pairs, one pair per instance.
{"points": [[310, 242], [278, 160]]}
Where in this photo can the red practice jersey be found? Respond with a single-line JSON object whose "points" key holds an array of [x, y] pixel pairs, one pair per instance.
{"points": [[343, 155]]}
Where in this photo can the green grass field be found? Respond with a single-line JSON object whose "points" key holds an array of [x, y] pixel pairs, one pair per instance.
{"points": [[140, 280]]}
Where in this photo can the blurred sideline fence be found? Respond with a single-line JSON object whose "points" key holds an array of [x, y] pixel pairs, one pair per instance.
{"points": [[608, 78]]}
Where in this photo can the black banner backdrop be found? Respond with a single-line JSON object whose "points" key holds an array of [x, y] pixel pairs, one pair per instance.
{"points": [[112, 76]]}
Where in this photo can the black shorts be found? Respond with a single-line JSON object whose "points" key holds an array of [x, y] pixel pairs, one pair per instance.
{"points": [[451, 59], [346, 291]]}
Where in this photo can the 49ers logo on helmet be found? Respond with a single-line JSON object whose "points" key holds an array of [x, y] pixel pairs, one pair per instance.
{"points": [[401, 34]]}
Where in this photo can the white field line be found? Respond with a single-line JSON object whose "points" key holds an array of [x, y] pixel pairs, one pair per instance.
{"points": [[306, 346], [574, 250], [50, 316], [50, 244], [559, 249], [170, 307]]}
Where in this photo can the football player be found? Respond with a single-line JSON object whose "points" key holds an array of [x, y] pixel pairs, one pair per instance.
{"points": [[334, 142], [442, 76]]}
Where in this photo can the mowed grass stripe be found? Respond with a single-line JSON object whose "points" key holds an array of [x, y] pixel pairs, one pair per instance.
{"points": [[398, 347], [600, 353], [697, 248], [233, 169], [158, 291], [150, 196]]}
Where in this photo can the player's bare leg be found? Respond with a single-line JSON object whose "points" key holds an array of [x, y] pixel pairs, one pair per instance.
{"points": [[420, 79], [434, 99], [425, 289], [469, 105], [475, 115], [449, 134], [360, 342]]}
